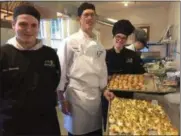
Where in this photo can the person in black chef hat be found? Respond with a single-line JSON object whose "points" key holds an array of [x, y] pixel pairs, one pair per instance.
{"points": [[29, 75], [121, 60]]}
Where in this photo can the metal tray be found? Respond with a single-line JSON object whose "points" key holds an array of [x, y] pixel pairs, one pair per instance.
{"points": [[151, 85], [151, 133], [164, 88]]}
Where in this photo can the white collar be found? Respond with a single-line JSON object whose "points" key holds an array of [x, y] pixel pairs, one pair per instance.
{"points": [[131, 47], [15, 43], [85, 35]]}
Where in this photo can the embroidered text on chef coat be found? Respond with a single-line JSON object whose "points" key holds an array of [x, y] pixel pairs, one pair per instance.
{"points": [[49, 63], [129, 60], [11, 69], [99, 53]]}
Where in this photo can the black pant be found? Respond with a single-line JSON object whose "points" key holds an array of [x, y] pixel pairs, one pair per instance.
{"points": [[104, 111], [30, 126], [94, 133]]}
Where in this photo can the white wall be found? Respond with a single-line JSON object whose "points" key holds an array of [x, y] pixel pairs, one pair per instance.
{"points": [[156, 18], [6, 33], [73, 25], [106, 36]]}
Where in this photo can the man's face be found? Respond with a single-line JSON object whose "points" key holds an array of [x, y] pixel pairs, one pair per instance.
{"points": [[138, 45], [119, 40], [88, 19], [26, 28]]}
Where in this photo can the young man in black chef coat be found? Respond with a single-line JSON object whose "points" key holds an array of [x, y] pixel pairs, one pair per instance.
{"points": [[29, 75], [121, 60]]}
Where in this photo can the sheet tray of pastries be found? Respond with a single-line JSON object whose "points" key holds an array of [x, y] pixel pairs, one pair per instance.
{"points": [[165, 86], [132, 83], [138, 117]]}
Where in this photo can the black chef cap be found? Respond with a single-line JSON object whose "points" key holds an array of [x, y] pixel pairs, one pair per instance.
{"points": [[123, 26], [26, 9], [85, 6]]}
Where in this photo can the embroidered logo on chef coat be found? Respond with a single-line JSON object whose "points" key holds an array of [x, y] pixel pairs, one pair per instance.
{"points": [[129, 60], [49, 63], [99, 53], [76, 49], [11, 69]]}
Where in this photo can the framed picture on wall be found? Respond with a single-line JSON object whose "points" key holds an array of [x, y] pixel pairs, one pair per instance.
{"points": [[147, 30]]}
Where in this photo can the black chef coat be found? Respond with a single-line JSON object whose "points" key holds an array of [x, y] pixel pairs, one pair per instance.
{"points": [[29, 79], [124, 62]]}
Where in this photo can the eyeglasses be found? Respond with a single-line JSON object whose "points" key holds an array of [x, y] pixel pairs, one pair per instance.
{"points": [[89, 14], [118, 37]]}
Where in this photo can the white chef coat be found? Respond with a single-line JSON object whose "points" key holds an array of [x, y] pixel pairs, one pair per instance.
{"points": [[131, 47], [83, 67]]}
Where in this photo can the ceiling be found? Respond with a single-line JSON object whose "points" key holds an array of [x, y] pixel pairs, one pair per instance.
{"points": [[10, 5], [7, 8], [70, 8], [101, 7]]}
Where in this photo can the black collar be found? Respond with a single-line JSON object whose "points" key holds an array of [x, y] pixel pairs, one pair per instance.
{"points": [[113, 50]]}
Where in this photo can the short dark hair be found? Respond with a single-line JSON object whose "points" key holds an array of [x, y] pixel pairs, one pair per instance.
{"points": [[85, 6], [26, 9]]}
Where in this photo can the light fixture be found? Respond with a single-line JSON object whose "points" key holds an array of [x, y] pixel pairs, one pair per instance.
{"points": [[59, 14], [6, 15], [125, 4], [112, 20]]}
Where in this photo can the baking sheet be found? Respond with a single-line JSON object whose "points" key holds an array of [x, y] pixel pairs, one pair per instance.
{"points": [[151, 85], [164, 88], [151, 132]]}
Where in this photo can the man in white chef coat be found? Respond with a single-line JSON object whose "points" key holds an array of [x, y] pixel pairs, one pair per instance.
{"points": [[84, 77], [140, 40]]}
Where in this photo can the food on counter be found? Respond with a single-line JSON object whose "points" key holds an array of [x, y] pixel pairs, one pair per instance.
{"points": [[164, 86], [127, 82], [169, 82], [155, 68], [149, 65], [138, 117], [158, 72]]}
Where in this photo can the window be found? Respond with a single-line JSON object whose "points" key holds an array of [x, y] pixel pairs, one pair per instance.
{"points": [[53, 31], [56, 28], [42, 30]]}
